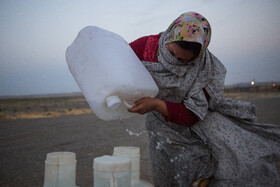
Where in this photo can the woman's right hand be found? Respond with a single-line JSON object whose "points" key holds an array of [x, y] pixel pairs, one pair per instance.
{"points": [[148, 104]]}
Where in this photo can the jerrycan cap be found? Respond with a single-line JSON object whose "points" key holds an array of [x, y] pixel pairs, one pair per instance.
{"points": [[113, 102]]}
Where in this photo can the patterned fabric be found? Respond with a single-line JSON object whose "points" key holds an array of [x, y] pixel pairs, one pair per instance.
{"points": [[225, 132], [245, 151]]}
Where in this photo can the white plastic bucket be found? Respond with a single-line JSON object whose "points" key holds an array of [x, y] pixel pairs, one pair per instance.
{"points": [[133, 153], [111, 171], [60, 169], [108, 72]]}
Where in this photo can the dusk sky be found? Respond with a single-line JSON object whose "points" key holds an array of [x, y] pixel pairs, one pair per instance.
{"points": [[34, 35]]}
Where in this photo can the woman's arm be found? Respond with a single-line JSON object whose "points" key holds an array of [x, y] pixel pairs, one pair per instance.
{"points": [[172, 112]]}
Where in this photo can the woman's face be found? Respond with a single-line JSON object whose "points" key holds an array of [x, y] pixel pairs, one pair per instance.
{"points": [[183, 55]]}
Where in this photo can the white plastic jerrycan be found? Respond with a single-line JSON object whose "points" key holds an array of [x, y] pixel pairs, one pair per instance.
{"points": [[108, 72], [112, 171], [133, 153], [60, 169]]}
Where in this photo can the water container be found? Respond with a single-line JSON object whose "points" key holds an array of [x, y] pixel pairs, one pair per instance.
{"points": [[108, 72], [60, 170], [111, 171], [133, 153]]}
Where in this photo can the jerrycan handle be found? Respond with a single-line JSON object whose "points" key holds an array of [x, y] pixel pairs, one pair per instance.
{"points": [[114, 102]]}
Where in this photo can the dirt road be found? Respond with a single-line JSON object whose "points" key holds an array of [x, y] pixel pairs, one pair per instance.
{"points": [[25, 143]]}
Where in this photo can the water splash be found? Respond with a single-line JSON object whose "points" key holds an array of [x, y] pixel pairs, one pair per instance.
{"points": [[129, 132], [159, 145], [168, 141], [134, 133], [177, 176]]}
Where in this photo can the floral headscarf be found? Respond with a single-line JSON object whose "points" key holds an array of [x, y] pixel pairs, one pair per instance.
{"points": [[190, 27]]}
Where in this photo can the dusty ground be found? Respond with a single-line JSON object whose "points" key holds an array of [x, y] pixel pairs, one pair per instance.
{"points": [[24, 142]]}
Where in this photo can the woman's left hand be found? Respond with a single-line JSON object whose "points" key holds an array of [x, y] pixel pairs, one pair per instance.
{"points": [[148, 104]]}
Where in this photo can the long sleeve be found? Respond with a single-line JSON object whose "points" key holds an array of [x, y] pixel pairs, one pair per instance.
{"points": [[138, 46], [179, 114], [146, 47]]}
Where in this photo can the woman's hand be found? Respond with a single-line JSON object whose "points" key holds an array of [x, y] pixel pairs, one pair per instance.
{"points": [[148, 104]]}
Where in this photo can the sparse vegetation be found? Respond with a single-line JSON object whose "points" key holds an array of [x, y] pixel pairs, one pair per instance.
{"points": [[42, 107], [52, 107]]}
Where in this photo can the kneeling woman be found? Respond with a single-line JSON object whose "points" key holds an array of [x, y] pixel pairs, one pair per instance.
{"points": [[194, 132]]}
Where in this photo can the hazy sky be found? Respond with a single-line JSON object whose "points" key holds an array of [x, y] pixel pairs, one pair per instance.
{"points": [[34, 35]]}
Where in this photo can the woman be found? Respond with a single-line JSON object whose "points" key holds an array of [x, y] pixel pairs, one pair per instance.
{"points": [[195, 133]]}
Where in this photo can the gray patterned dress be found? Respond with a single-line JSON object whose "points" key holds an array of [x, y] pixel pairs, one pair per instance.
{"points": [[226, 145]]}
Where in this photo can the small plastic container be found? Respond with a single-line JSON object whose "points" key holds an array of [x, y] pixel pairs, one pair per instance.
{"points": [[133, 153], [60, 169], [112, 171]]}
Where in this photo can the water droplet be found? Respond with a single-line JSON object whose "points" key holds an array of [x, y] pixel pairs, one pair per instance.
{"points": [[159, 146], [168, 141], [127, 130], [177, 176]]}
